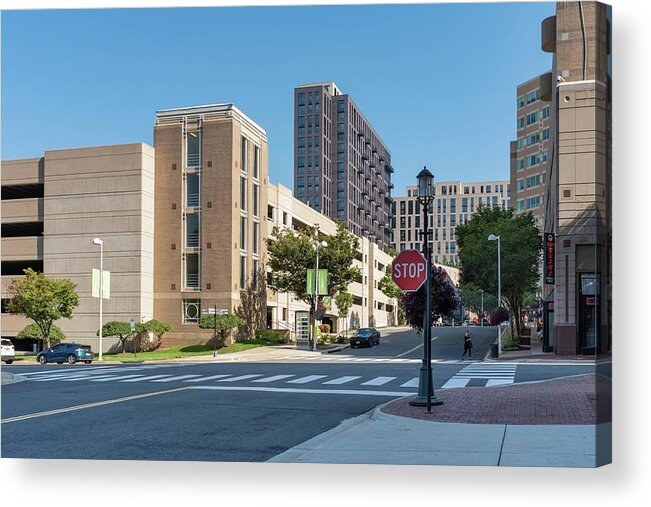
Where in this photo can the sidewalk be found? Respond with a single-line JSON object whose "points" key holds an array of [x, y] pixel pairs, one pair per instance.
{"points": [[550, 423]]}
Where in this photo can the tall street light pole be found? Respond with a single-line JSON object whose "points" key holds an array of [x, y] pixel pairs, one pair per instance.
{"points": [[315, 296], [425, 386], [99, 242], [492, 237]]}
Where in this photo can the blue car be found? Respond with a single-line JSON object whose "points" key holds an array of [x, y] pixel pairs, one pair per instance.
{"points": [[68, 352]]}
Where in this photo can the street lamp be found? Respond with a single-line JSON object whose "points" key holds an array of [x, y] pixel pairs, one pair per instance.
{"points": [[425, 387], [99, 242], [492, 237], [315, 297]]}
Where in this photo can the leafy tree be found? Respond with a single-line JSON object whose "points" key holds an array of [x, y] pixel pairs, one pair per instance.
{"points": [[390, 289], [521, 246], [34, 332], [43, 300], [471, 295], [154, 326], [222, 324], [498, 315], [444, 300], [292, 253], [344, 301], [121, 330]]}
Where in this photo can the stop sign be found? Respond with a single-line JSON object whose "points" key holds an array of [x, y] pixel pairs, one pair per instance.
{"points": [[409, 270]]}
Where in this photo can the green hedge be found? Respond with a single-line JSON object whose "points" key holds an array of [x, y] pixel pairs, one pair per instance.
{"points": [[272, 335]]}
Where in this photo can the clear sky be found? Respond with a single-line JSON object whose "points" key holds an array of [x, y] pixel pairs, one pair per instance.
{"points": [[438, 82]]}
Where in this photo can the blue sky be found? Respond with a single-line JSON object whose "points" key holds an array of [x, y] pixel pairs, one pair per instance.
{"points": [[437, 81]]}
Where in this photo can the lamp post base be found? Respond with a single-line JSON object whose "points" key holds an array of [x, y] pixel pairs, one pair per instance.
{"points": [[421, 398]]}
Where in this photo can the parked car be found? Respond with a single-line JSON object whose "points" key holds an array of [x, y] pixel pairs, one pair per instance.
{"points": [[69, 352], [366, 335], [8, 351]]}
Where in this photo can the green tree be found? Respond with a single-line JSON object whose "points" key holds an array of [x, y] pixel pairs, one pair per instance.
{"points": [[471, 295], [121, 330], [391, 290], [154, 326], [292, 253], [222, 324], [32, 331], [42, 300], [521, 246], [344, 301]]}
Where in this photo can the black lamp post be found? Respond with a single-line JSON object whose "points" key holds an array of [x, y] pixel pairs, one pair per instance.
{"points": [[425, 387]]}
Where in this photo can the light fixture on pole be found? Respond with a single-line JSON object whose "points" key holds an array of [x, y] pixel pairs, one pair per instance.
{"points": [[99, 242], [492, 237], [425, 386], [315, 296]]}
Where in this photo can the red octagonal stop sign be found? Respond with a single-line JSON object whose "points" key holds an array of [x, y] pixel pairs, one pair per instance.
{"points": [[409, 270]]}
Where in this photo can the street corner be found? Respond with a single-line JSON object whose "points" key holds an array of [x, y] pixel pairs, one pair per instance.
{"points": [[10, 378]]}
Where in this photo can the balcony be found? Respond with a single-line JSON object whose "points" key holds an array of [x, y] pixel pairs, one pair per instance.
{"points": [[194, 160], [388, 168], [192, 200], [192, 240], [191, 281]]}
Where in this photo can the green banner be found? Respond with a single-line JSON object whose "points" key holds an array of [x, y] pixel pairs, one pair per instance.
{"points": [[322, 288]]}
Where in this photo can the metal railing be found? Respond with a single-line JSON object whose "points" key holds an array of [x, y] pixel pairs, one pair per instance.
{"points": [[194, 160], [192, 199], [192, 239], [192, 281]]}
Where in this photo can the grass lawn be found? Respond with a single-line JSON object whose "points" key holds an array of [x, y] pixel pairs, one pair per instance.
{"points": [[184, 351]]}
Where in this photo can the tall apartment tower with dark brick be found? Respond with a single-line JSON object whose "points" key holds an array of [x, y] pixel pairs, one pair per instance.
{"points": [[342, 168], [211, 183], [530, 152]]}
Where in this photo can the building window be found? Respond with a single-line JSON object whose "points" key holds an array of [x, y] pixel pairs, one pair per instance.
{"points": [[256, 200], [521, 101], [243, 193], [193, 147], [520, 185], [520, 123], [545, 112], [192, 230], [243, 233], [192, 271], [533, 202], [533, 96], [256, 161], [256, 233], [532, 118], [301, 98], [243, 276], [533, 181], [244, 154], [191, 311], [192, 197]]}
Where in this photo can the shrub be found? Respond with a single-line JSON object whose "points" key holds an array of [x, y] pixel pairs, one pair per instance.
{"points": [[271, 335], [325, 328]]}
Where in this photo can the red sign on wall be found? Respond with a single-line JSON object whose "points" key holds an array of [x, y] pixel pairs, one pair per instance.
{"points": [[550, 258]]}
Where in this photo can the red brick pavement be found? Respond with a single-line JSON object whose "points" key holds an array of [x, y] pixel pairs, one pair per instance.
{"points": [[585, 399]]}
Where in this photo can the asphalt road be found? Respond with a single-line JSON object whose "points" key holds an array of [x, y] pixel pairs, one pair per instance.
{"points": [[230, 411]]}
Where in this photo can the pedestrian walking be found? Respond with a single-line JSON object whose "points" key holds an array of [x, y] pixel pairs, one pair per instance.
{"points": [[467, 344]]}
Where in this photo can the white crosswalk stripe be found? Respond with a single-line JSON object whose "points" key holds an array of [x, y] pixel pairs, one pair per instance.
{"points": [[342, 380], [494, 374], [241, 377], [274, 378], [113, 378], [305, 380], [172, 379], [142, 379], [379, 381], [412, 383], [205, 379]]}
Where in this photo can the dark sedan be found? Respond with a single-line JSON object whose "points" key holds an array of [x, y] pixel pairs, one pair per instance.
{"points": [[66, 352], [368, 336]]}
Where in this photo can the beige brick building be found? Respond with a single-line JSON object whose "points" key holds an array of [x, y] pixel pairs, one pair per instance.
{"points": [[52, 209], [578, 299]]}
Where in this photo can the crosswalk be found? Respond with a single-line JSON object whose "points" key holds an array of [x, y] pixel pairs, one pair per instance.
{"points": [[472, 375], [493, 374], [338, 358]]}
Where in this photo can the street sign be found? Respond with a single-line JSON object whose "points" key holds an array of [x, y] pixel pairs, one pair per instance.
{"points": [[132, 324], [409, 270], [550, 258]]}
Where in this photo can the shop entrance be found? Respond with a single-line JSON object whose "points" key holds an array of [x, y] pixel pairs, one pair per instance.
{"points": [[589, 313]]}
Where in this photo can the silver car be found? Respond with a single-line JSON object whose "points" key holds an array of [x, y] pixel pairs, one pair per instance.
{"points": [[8, 351]]}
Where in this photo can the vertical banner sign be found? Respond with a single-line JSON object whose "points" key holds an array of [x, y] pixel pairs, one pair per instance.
{"points": [[550, 258], [322, 282], [106, 289]]}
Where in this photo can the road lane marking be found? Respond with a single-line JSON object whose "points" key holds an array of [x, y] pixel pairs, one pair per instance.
{"points": [[140, 379], [411, 383], [89, 405], [305, 380], [497, 382], [241, 377], [178, 377], [415, 348], [85, 377], [114, 378], [205, 379], [342, 380], [368, 392], [455, 382], [274, 378], [379, 381]]}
